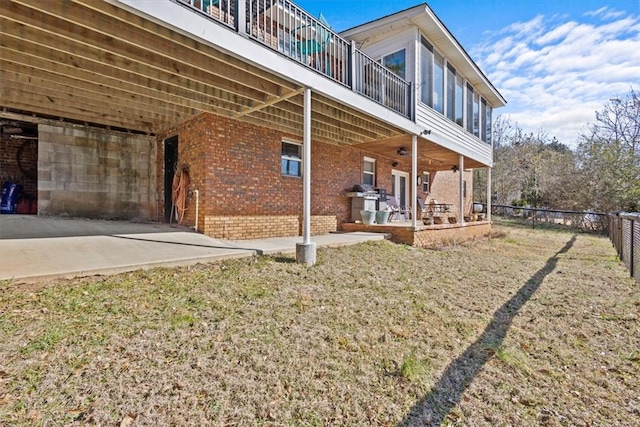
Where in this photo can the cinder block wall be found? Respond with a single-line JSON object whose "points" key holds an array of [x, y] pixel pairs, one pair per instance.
{"points": [[235, 166], [95, 173]]}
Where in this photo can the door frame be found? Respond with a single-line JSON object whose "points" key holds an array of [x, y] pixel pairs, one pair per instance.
{"points": [[403, 196]]}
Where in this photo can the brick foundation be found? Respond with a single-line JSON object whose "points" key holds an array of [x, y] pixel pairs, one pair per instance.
{"points": [[428, 236], [261, 227]]}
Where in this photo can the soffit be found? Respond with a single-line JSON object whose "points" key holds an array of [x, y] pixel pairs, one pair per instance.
{"points": [[431, 156]]}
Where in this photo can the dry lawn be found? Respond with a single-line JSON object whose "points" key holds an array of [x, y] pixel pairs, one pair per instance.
{"points": [[527, 328]]}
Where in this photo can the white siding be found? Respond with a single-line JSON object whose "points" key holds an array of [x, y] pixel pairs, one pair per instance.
{"points": [[448, 134], [404, 39]]}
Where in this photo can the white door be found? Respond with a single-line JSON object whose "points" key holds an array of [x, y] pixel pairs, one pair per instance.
{"points": [[400, 188]]}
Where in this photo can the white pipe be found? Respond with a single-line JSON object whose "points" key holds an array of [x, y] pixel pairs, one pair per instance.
{"points": [[306, 169], [461, 183], [414, 180], [197, 207], [489, 194]]}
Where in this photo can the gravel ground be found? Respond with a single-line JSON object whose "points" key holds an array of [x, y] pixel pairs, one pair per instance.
{"points": [[526, 328]]}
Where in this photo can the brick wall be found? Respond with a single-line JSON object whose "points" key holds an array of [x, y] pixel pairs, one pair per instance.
{"points": [[95, 173], [235, 166], [445, 188]]}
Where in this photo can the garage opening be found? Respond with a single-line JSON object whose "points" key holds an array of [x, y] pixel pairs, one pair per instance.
{"points": [[19, 167]]}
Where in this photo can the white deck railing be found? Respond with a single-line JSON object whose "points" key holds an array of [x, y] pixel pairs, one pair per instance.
{"points": [[284, 27]]}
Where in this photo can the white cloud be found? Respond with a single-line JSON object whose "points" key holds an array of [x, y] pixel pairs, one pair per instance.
{"points": [[556, 72]]}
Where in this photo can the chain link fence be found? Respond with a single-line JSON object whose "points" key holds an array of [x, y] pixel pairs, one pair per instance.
{"points": [[622, 228], [624, 232]]}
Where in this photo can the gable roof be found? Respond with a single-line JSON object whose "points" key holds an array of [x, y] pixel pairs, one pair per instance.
{"points": [[436, 33]]}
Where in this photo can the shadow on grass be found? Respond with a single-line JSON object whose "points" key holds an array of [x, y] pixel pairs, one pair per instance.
{"points": [[434, 407]]}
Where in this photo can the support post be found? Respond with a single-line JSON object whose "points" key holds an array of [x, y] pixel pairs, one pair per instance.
{"points": [[306, 251], [414, 179], [461, 184], [489, 194]]}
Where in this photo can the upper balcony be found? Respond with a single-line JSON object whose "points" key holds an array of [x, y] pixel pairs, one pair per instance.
{"points": [[286, 28]]}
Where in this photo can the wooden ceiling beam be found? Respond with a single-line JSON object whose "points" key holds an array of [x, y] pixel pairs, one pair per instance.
{"points": [[183, 41], [78, 68], [40, 104], [76, 52], [116, 38], [92, 100], [126, 92]]}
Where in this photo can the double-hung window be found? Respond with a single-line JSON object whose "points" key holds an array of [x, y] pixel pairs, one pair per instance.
{"points": [[291, 163], [369, 171]]}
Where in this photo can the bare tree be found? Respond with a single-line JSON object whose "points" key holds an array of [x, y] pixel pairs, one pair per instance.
{"points": [[609, 157]]}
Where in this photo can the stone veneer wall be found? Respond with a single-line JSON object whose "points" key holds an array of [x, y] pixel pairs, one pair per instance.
{"points": [[95, 173]]}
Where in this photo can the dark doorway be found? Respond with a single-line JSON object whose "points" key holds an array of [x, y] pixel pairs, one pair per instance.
{"points": [[19, 166], [170, 168]]}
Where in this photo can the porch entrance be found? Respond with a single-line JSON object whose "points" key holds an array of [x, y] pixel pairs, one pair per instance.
{"points": [[400, 188]]}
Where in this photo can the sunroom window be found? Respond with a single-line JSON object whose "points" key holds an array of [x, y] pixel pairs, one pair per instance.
{"points": [[459, 110], [469, 108], [396, 62], [426, 73], [451, 93], [438, 82]]}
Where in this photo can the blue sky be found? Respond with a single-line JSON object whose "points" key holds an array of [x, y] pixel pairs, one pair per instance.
{"points": [[555, 61]]}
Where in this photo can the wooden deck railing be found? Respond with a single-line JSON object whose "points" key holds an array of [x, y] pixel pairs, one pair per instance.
{"points": [[286, 28]]}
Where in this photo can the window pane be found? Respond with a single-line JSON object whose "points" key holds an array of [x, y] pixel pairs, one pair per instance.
{"points": [[367, 178], [396, 62], [290, 167], [487, 123], [369, 166], [438, 82], [451, 93], [426, 73], [291, 150], [469, 108], [483, 115], [459, 100], [476, 114]]}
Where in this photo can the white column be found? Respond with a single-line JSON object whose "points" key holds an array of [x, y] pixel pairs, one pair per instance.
{"points": [[461, 184], [242, 17], [414, 180], [489, 194], [306, 251]]}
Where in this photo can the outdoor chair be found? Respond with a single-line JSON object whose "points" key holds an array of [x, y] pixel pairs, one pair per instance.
{"points": [[398, 213], [424, 210]]}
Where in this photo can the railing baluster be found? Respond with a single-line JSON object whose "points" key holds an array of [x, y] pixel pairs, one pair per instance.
{"points": [[313, 44]]}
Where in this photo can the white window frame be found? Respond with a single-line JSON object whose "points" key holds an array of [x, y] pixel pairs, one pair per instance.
{"points": [[291, 158], [369, 173], [425, 182]]}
